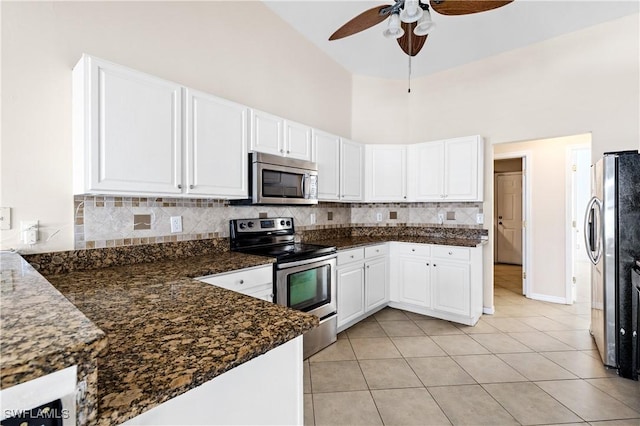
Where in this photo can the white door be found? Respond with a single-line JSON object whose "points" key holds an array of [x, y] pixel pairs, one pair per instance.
{"points": [[386, 172], [267, 133], [376, 286], [509, 217], [461, 169], [350, 284], [580, 195], [327, 157], [425, 163], [451, 287], [414, 281], [217, 136], [297, 138], [136, 131], [351, 170]]}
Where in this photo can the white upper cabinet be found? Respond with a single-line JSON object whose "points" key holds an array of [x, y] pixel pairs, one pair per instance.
{"points": [[386, 173], [127, 131], [297, 141], [449, 170], [327, 157], [275, 135], [267, 133], [216, 149], [351, 170]]}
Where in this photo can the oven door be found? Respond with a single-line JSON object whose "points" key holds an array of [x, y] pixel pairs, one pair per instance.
{"points": [[277, 184], [308, 285]]}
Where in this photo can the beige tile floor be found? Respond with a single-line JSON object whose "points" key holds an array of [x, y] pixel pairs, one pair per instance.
{"points": [[531, 363]]}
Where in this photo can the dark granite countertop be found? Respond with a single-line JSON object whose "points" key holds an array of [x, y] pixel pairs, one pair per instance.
{"points": [[167, 332], [353, 242]]}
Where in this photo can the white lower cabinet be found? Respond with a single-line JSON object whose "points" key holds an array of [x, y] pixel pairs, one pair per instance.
{"points": [[414, 281], [439, 281], [256, 282], [350, 287], [377, 287], [362, 283]]}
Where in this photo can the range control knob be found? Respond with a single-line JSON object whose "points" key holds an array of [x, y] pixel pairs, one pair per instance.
{"points": [[250, 224], [242, 226], [282, 222], [288, 223]]}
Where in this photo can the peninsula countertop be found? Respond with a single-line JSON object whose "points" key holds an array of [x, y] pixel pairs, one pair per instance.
{"points": [[168, 333]]}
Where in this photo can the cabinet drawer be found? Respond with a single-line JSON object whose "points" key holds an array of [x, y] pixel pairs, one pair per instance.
{"points": [[412, 250], [373, 251], [452, 253], [241, 280], [348, 256]]}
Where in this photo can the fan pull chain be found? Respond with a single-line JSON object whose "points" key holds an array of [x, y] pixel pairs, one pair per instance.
{"points": [[409, 76], [410, 50]]}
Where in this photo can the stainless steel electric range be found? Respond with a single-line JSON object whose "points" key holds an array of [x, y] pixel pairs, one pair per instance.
{"points": [[304, 275]]}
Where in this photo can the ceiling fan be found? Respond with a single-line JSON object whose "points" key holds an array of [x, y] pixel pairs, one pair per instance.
{"points": [[410, 20]]}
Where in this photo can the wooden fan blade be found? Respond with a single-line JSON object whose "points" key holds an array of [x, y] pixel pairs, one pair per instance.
{"points": [[465, 7], [366, 19], [409, 38]]}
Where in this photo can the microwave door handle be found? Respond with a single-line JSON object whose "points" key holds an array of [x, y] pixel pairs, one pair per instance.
{"points": [[304, 178]]}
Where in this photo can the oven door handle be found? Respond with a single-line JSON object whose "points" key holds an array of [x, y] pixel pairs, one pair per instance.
{"points": [[306, 261]]}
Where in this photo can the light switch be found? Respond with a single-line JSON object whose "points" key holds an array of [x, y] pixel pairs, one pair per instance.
{"points": [[5, 218]]}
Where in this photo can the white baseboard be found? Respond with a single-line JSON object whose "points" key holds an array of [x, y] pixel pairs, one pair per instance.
{"points": [[547, 298], [488, 311]]}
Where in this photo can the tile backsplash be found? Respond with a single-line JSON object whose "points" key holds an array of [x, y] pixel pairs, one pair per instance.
{"points": [[102, 221]]}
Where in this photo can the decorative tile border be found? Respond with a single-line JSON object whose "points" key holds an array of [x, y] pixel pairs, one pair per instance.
{"points": [[107, 222]]}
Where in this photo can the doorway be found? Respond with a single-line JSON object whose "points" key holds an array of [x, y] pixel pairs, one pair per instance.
{"points": [[509, 220], [578, 194]]}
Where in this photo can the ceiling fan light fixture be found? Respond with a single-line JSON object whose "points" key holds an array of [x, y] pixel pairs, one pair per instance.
{"points": [[411, 12], [393, 30], [425, 25]]}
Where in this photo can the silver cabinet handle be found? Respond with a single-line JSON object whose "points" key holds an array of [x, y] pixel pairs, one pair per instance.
{"points": [[415, 250], [179, 186], [282, 151], [191, 186], [427, 263], [450, 253], [288, 152], [434, 265], [241, 281], [368, 266]]}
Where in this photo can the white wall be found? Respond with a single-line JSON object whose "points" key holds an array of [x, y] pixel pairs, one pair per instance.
{"points": [[586, 81], [237, 50]]}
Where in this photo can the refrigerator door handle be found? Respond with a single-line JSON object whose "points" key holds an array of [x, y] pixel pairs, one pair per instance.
{"points": [[592, 230]]}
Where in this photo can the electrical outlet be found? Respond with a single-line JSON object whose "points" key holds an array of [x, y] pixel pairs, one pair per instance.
{"points": [[440, 218], [378, 217], [5, 218], [176, 224], [312, 218], [29, 231], [480, 218]]}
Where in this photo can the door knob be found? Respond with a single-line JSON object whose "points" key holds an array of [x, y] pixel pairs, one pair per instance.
{"points": [[499, 217], [499, 223]]}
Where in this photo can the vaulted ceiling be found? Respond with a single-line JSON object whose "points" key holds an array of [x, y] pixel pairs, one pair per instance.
{"points": [[456, 40]]}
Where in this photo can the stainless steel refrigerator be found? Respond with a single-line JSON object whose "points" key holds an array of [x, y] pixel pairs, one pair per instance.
{"points": [[612, 234]]}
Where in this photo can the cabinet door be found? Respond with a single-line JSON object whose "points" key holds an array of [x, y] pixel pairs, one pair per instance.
{"points": [[426, 171], [376, 286], [297, 141], [127, 130], [414, 281], [351, 170], [461, 169], [350, 294], [327, 157], [451, 287], [386, 172], [216, 146], [267, 133]]}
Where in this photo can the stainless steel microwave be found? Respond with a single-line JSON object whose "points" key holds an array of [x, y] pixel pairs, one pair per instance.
{"points": [[280, 180]]}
